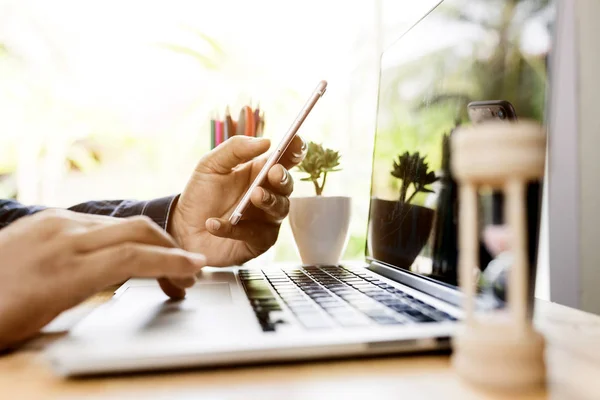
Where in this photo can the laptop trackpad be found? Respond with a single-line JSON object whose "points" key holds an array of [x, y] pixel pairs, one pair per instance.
{"points": [[147, 310], [208, 293]]}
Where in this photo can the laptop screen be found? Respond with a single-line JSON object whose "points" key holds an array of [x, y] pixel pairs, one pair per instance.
{"points": [[465, 61]]}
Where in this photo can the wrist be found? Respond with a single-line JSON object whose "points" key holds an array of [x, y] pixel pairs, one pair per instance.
{"points": [[174, 222]]}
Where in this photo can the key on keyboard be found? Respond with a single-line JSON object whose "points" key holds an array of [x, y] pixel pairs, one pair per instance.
{"points": [[323, 297], [264, 303]]}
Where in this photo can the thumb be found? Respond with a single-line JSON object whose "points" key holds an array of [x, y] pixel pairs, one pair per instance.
{"points": [[234, 151]]}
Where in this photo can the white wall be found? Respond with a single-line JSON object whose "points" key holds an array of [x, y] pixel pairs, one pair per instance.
{"points": [[588, 12], [563, 183], [574, 168]]}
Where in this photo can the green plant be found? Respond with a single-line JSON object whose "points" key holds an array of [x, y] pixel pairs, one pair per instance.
{"points": [[412, 169], [318, 162]]}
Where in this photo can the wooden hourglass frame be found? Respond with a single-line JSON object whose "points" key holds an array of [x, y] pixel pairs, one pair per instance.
{"points": [[497, 349]]}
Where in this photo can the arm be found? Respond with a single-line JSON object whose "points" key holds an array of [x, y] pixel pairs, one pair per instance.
{"points": [[158, 209]]}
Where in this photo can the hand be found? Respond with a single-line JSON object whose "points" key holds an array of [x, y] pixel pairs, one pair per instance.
{"points": [[55, 259], [199, 220]]}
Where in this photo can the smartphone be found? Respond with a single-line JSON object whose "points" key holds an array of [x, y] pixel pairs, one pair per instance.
{"points": [[273, 159], [480, 111]]}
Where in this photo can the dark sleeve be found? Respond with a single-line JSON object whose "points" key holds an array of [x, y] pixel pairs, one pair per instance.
{"points": [[158, 209]]}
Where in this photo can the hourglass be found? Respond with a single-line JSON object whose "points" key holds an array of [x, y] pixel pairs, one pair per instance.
{"points": [[497, 348]]}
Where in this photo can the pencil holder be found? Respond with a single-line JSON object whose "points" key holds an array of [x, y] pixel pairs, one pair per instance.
{"points": [[497, 348]]}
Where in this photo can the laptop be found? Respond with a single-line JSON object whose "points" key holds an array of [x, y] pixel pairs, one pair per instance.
{"points": [[403, 297]]}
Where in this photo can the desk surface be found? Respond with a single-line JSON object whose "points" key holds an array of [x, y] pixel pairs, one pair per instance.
{"points": [[573, 366]]}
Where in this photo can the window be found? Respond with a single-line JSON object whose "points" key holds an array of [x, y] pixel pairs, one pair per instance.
{"points": [[111, 99]]}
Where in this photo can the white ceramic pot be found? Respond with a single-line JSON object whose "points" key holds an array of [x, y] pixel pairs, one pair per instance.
{"points": [[320, 227]]}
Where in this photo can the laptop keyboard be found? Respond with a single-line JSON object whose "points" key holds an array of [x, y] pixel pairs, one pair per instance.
{"points": [[323, 297]]}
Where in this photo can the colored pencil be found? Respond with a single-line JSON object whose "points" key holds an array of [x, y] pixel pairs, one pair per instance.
{"points": [[250, 122], [241, 123], [226, 132], [219, 132], [212, 133], [261, 125], [256, 119], [228, 124], [249, 116]]}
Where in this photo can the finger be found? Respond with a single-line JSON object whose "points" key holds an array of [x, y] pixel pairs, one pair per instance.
{"points": [[280, 180], [170, 289], [184, 283], [260, 235], [138, 229], [294, 154], [175, 287], [233, 152], [127, 260], [275, 206]]}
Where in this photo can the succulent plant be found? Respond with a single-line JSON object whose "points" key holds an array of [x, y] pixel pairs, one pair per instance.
{"points": [[318, 162], [412, 169]]}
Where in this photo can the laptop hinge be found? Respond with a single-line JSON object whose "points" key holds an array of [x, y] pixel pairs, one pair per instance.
{"points": [[451, 295]]}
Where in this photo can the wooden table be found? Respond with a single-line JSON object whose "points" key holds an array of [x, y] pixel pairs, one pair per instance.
{"points": [[573, 367]]}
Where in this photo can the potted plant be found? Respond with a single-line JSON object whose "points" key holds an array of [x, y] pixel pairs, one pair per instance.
{"points": [[398, 229], [320, 223]]}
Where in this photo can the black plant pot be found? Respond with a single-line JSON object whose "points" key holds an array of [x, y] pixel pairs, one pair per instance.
{"points": [[398, 231]]}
